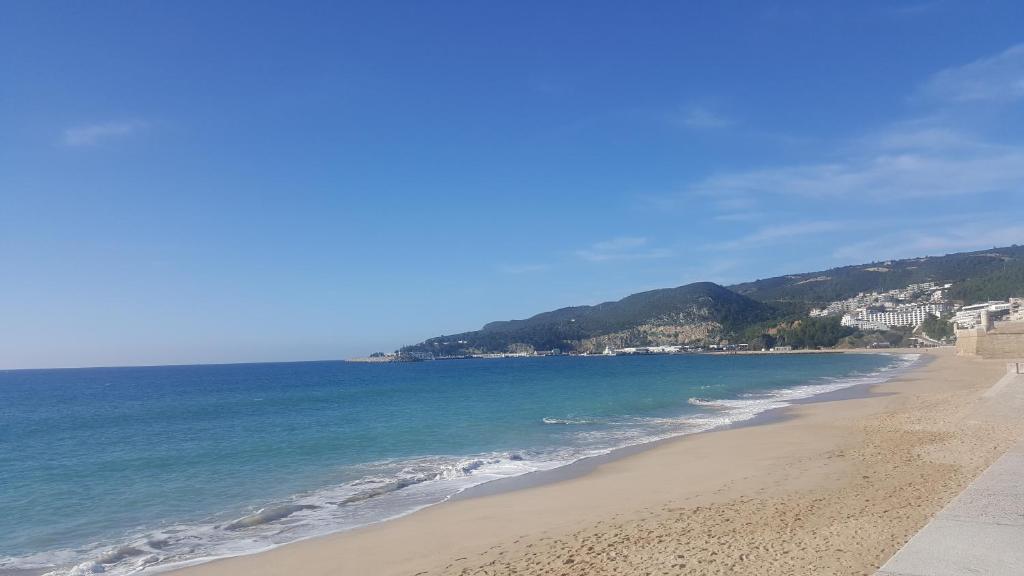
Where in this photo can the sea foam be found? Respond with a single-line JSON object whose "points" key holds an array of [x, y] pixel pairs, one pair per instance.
{"points": [[392, 488]]}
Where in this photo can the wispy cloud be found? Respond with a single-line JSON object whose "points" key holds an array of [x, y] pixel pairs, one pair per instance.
{"points": [[912, 8], [716, 269], [94, 134], [928, 156], [700, 117], [917, 242], [738, 217], [622, 248], [882, 174], [920, 134], [992, 79], [516, 269], [548, 86], [775, 234], [888, 186]]}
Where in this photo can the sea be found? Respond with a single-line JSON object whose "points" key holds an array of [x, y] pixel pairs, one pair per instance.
{"points": [[142, 469]]}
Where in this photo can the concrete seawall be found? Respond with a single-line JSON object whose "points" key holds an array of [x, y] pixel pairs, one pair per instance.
{"points": [[1005, 340], [982, 530]]}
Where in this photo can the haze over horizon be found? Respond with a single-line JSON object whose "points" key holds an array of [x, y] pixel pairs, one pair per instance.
{"points": [[196, 183]]}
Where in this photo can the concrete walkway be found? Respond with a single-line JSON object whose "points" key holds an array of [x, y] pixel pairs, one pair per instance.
{"points": [[982, 530]]}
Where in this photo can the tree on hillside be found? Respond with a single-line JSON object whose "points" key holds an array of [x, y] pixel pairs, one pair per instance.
{"points": [[937, 328], [814, 333]]}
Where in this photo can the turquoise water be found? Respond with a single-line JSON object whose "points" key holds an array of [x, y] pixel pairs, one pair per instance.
{"points": [[130, 469]]}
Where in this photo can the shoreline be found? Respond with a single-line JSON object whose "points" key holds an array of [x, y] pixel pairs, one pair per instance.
{"points": [[500, 356], [588, 464], [569, 470], [318, 551]]}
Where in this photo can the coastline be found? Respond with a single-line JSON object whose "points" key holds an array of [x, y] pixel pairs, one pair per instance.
{"points": [[588, 464], [800, 457], [153, 550], [500, 356]]}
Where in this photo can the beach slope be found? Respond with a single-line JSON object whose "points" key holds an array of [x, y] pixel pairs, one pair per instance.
{"points": [[832, 487]]}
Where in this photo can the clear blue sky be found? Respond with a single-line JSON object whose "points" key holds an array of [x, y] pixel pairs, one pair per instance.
{"points": [[248, 181]]}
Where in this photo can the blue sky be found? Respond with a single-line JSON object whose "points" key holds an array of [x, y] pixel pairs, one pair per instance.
{"points": [[256, 181]]}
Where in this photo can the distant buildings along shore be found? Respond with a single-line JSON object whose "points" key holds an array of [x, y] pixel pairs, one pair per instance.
{"points": [[911, 306]]}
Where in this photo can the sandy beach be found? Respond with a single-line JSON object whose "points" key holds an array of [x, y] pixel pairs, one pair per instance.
{"points": [[831, 487]]}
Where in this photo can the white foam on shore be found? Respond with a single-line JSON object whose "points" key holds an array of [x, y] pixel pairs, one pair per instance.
{"points": [[751, 405], [390, 489], [570, 421]]}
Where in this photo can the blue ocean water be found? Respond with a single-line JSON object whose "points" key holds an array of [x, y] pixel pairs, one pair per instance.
{"points": [[124, 470]]}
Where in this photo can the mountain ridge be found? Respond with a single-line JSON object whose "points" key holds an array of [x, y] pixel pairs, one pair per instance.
{"points": [[705, 312], [845, 281]]}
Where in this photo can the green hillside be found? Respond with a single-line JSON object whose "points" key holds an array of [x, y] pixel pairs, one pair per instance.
{"points": [[977, 276], [703, 304], [705, 312]]}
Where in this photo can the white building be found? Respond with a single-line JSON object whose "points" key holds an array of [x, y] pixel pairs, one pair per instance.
{"points": [[1017, 309], [970, 316], [854, 322], [892, 300], [907, 315]]}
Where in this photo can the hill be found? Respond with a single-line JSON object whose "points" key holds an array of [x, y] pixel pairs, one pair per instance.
{"points": [[752, 312], [695, 312], [977, 276]]}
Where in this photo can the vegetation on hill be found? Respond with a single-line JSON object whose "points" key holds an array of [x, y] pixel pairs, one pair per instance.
{"points": [[1003, 282], [763, 313], [707, 308], [805, 333], [937, 328], [894, 337], [976, 276]]}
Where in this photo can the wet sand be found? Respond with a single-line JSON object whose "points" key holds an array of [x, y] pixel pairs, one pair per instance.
{"points": [[833, 487]]}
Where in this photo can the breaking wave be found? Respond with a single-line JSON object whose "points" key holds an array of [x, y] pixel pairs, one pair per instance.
{"points": [[393, 488], [569, 421]]}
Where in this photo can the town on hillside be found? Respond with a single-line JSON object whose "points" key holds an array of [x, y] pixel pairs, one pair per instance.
{"points": [[920, 309], [911, 306]]}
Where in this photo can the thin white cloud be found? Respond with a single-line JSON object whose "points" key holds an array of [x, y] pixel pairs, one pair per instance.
{"points": [[94, 134], [716, 269], [998, 78], [930, 156], [516, 269], [922, 134], [701, 117], [882, 175], [773, 234], [914, 8], [622, 248], [918, 242], [888, 184], [738, 217]]}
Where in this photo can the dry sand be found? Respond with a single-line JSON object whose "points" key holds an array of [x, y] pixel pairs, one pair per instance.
{"points": [[836, 488]]}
